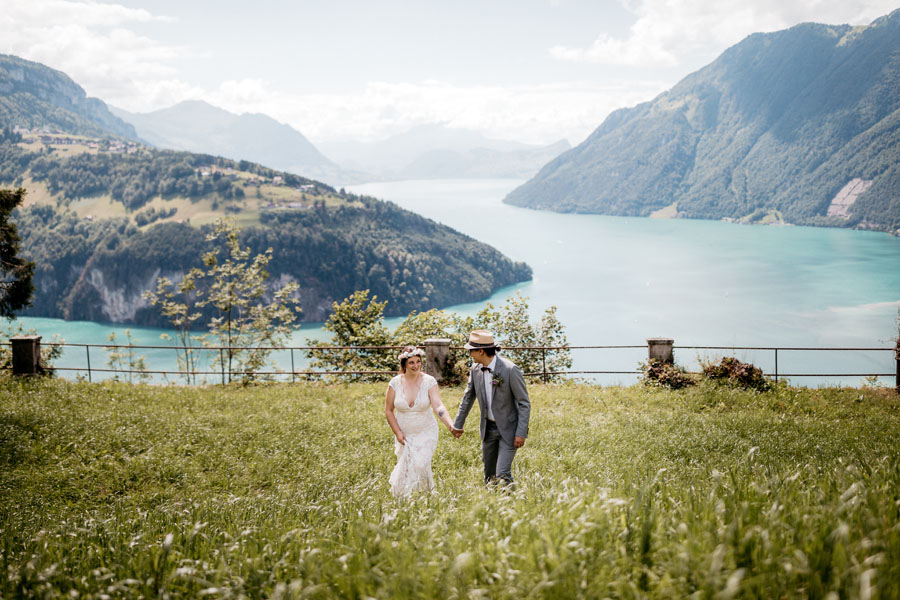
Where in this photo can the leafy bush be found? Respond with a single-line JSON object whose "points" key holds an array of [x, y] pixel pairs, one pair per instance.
{"points": [[357, 321], [731, 371], [663, 374], [50, 350]]}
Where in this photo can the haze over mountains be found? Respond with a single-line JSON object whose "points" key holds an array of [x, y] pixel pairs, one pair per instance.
{"points": [[801, 125], [438, 151], [425, 152], [197, 126]]}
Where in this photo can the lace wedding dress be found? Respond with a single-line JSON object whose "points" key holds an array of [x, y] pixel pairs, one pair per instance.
{"points": [[417, 422]]}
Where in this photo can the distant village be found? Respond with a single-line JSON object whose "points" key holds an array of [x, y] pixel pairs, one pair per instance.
{"points": [[49, 137]]}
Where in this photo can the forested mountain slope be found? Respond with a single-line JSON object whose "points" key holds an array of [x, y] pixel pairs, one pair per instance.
{"points": [[33, 95], [801, 125], [104, 217]]}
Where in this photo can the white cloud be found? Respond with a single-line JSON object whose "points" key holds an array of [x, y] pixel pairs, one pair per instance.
{"points": [[95, 43], [90, 42], [536, 114], [665, 32]]}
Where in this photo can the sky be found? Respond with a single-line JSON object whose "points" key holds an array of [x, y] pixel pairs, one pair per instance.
{"points": [[533, 71]]}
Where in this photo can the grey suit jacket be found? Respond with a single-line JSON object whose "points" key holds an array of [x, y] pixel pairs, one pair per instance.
{"points": [[509, 401]]}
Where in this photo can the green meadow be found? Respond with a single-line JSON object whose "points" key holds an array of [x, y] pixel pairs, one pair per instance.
{"points": [[128, 491]]}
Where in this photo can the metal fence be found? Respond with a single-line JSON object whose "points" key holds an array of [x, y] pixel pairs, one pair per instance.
{"points": [[89, 370]]}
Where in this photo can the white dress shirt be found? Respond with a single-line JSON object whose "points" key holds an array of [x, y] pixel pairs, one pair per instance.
{"points": [[489, 387]]}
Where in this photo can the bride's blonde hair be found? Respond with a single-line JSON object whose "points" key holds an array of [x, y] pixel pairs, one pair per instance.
{"points": [[409, 352]]}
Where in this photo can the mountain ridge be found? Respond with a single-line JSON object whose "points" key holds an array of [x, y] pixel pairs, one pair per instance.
{"points": [[197, 126], [32, 94], [415, 154], [779, 123]]}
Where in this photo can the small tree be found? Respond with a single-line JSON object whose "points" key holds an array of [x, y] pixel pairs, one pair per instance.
{"points": [[512, 328], [245, 325], [234, 285], [125, 359], [16, 287], [436, 323], [178, 303], [357, 321]]}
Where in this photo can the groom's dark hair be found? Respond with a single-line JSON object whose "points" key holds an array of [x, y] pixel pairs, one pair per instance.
{"points": [[490, 351]]}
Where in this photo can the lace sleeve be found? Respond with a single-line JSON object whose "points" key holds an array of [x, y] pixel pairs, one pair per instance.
{"points": [[430, 382]]}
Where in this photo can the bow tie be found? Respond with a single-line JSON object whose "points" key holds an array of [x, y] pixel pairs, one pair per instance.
{"points": [[483, 369]]}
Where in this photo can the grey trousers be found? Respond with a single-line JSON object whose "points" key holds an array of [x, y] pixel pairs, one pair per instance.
{"points": [[497, 455]]}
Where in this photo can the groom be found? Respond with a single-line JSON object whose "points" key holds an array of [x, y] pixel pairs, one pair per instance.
{"points": [[503, 399]]}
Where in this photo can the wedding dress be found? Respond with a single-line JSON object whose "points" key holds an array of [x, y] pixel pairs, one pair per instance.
{"points": [[417, 422]]}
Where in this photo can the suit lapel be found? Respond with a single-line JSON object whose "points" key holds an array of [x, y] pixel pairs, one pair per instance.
{"points": [[499, 373], [478, 379]]}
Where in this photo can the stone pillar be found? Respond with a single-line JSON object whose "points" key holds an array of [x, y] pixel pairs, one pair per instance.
{"points": [[437, 353], [26, 354], [661, 349]]}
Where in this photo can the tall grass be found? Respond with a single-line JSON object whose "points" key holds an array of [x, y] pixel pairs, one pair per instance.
{"points": [[114, 490]]}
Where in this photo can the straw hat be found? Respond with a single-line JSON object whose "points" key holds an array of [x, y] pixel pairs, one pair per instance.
{"points": [[480, 339]]}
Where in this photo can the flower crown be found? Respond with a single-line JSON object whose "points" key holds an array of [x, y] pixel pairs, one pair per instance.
{"points": [[411, 353]]}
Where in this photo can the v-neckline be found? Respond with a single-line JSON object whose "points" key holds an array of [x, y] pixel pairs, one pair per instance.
{"points": [[416, 397]]}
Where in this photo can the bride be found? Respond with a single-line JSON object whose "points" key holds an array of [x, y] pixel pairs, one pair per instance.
{"points": [[406, 406]]}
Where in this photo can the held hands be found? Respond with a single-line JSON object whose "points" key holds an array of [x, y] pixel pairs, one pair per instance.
{"points": [[457, 433]]}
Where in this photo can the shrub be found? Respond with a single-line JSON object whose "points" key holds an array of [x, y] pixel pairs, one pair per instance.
{"points": [[662, 374], [357, 321], [733, 372], [50, 350]]}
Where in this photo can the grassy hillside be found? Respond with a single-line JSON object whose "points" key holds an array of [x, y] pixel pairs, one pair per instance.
{"points": [[99, 179], [282, 491]]}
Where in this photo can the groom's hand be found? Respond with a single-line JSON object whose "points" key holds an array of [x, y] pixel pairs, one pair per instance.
{"points": [[457, 433], [518, 442]]}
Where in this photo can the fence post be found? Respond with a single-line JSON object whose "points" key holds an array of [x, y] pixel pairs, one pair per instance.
{"points": [[661, 349], [437, 353], [26, 354], [776, 365], [897, 360], [544, 363]]}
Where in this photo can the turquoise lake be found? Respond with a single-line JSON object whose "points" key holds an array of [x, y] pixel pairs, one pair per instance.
{"points": [[620, 280]]}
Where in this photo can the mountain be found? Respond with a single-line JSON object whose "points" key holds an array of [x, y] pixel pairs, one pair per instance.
{"points": [[801, 125], [438, 151], [482, 163], [197, 126], [105, 217], [33, 95]]}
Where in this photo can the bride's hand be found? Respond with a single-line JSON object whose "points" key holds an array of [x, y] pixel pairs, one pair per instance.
{"points": [[401, 437]]}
